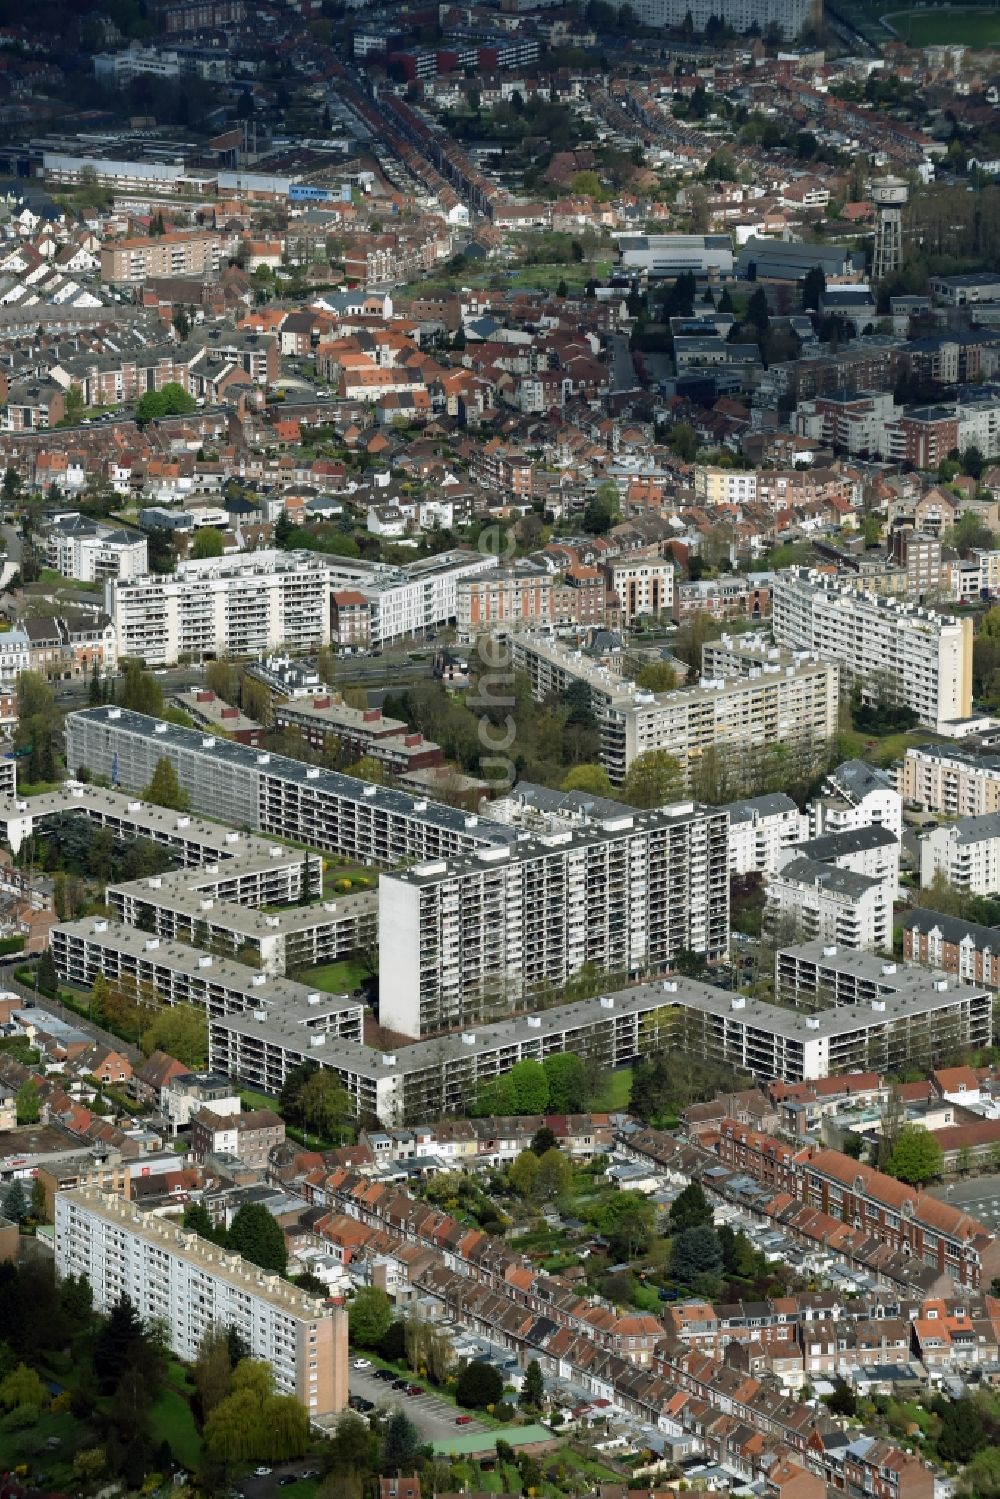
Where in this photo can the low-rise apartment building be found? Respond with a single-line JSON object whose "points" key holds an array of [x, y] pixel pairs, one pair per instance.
{"points": [[813, 899], [509, 598], [965, 853], [965, 948], [942, 778], [886, 647], [761, 829], [326, 722], [133, 261], [193, 1286]]}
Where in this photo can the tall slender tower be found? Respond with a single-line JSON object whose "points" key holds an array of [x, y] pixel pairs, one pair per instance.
{"points": [[889, 195]]}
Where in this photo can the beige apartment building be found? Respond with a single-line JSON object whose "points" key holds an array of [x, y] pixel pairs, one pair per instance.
{"points": [[940, 778], [135, 260], [193, 1285]]}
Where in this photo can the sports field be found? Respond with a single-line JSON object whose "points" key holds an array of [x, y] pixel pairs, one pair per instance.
{"points": [[978, 28]]}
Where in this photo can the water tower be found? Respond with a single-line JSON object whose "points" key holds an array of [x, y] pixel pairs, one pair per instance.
{"points": [[889, 195]]}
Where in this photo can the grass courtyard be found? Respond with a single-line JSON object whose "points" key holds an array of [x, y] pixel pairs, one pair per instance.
{"points": [[976, 27]]}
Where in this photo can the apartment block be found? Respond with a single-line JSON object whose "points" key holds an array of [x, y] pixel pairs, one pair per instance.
{"points": [[964, 948], [724, 486], [959, 782], [177, 973], [642, 586], [326, 722], [191, 1285], [925, 658], [731, 596], [473, 939], [273, 794], [900, 1006], [244, 606], [130, 262], [509, 597], [856, 795], [789, 699], [90, 552], [966, 853], [761, 829], [444, 1075], [818, 900]]}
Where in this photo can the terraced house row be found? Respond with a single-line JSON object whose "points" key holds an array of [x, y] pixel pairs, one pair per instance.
{"points": [[703, 1404]]}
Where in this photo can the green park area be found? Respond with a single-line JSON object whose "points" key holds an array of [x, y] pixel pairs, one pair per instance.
{"points": [[976, 27], [344, 977]]}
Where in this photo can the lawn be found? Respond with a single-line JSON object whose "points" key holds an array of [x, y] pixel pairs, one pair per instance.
{"points": [[30, 1447], [173, 1423], [615, 1091], [335, 978], [173, 1420], [253, 1100], [884, 750], [976, 28]]}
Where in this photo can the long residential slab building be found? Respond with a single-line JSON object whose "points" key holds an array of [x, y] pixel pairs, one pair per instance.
{"points": [[216, 899], [257, 602], [921, 658], [961, 782], [781, 697], [191, 1286], [274, 794]]}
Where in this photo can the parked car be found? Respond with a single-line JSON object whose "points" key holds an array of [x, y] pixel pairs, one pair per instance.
{"points": [[400, 1384], [462, 1420], [386, 1374], [362, 1363], [261, 1472]]}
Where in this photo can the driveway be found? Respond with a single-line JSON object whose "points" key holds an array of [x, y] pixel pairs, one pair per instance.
{"points": [[434, 1418]]}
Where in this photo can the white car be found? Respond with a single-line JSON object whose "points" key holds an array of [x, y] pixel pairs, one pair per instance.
{"points": [[261, 1472], [362, 1363]]}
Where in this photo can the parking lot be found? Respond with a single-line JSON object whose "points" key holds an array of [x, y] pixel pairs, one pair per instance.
{"points": [[434, 1418], [979, 1196]]}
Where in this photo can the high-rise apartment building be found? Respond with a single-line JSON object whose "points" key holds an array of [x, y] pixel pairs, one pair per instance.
{"points": [[192, 1286], [922, 659], [470, 940]]}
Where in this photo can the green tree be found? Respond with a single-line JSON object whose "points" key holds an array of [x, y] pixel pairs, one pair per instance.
{"points": [[531, 1089], [478, 1386], [813, 287], [140, 692], [46, 974], [554, 1178], [522, 1173], [208, 542], [981, 1479], [23, 1387], [116, 1343], [212, 1369], [690, 1209], [76, 1297], [601, 510], [627, 1222], [590, 779], [258, 1237], [369, 1316], [39, 1206], [15, 1203], [401, 1443], [653, 779], [566, 1076], [165, 790], [197, 1220], [181, 1031], [963, 1431], [324, 1104], [656, 676], [695, 1252], [533, 1388], [916, 1158], [28, 1102]]}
